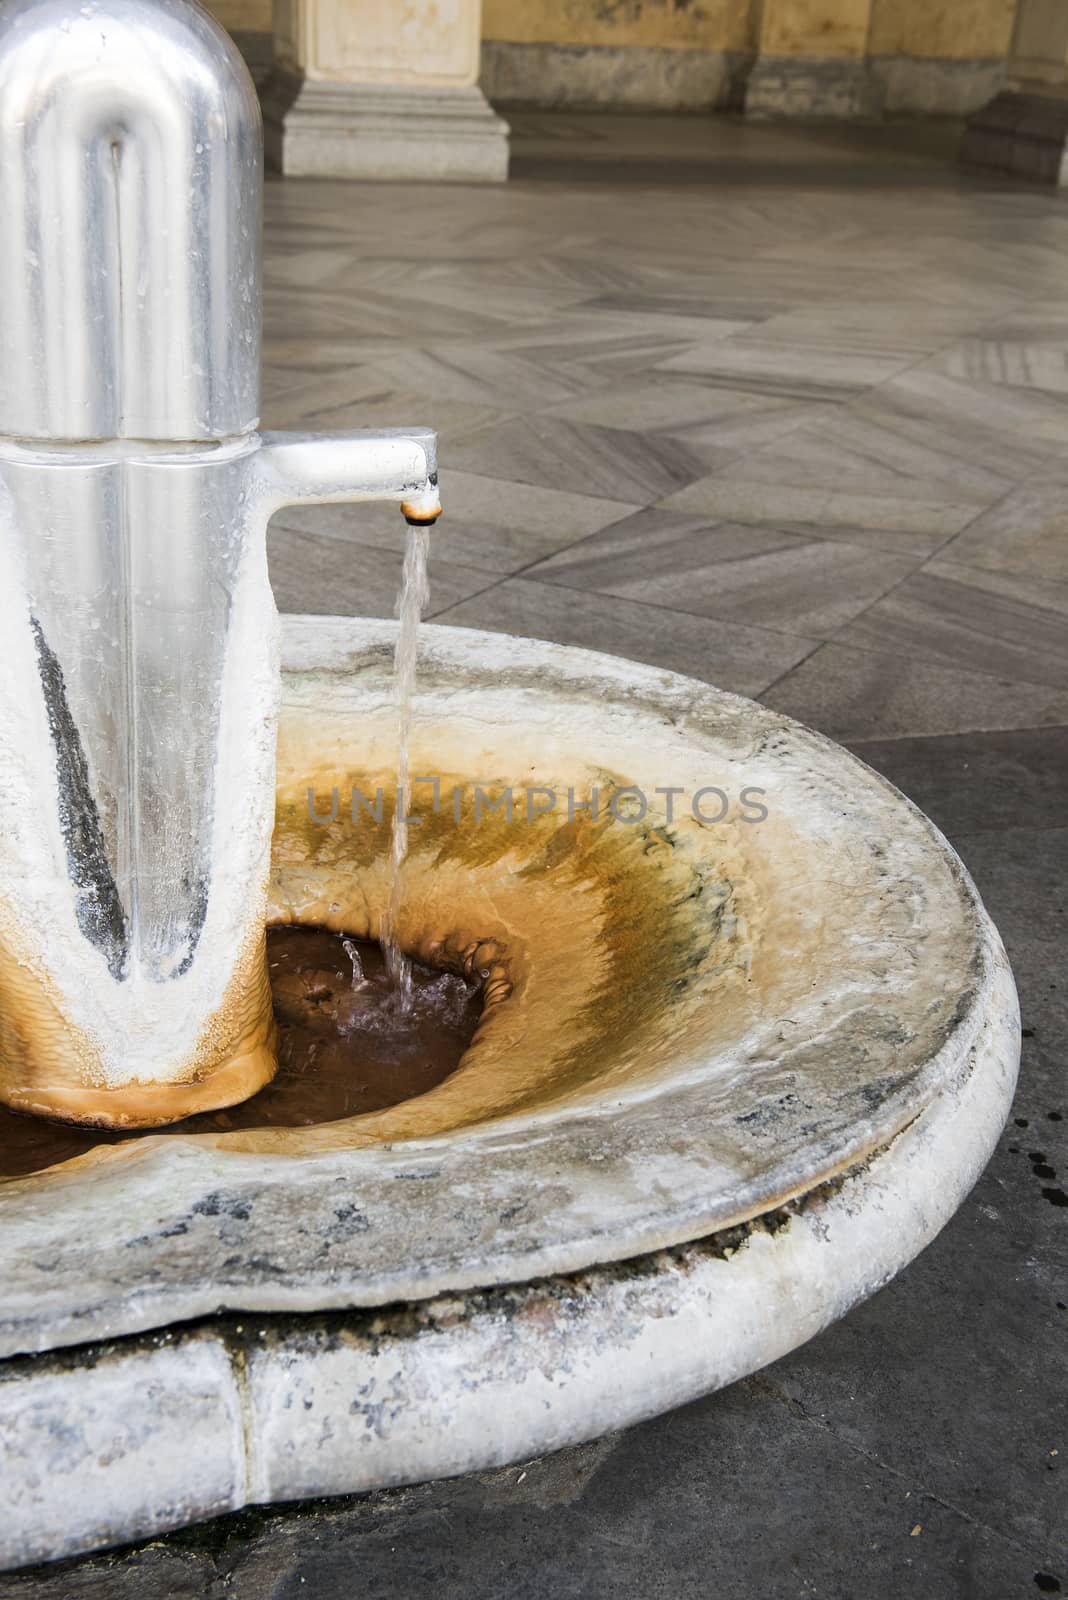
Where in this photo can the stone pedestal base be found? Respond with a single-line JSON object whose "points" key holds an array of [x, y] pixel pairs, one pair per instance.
{"points": [[328, 129], [1020, 132], [796, 87]]}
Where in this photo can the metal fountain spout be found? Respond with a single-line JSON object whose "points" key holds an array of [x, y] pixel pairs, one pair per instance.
{"points": [[139, 675]]}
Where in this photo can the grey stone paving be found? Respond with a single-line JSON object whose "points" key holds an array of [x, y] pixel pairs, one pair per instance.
{"points": [[789, 411]]}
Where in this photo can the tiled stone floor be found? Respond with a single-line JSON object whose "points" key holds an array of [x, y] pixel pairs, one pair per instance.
{"points": [[788, 411]]}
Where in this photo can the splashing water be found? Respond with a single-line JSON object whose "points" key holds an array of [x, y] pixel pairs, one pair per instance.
{"points": [[358, 978], [414, 593]]}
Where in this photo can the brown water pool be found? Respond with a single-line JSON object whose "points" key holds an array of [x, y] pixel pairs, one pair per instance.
{"points": [[344, 1047]]}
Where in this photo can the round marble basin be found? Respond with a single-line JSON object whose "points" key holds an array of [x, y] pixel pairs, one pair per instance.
{"points": [[749, 1037]]}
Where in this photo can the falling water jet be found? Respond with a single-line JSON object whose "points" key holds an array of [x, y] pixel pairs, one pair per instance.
{"points": [[349, 947], [411, 602]]}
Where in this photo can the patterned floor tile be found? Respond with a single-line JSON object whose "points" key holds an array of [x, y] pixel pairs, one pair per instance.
{"points": [[862, 694], [1026, 533], [901, 523], [610, 463], [1010, 432], [729, 654], [866, 454], [798, 370], [998, 623], [734, 571], [1024, 363], [819, 393], [717, 423]]}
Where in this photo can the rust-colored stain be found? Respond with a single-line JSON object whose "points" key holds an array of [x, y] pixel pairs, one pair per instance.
{"points": [[615, 956], [50, 1067], [597, 943], [594, 940]]}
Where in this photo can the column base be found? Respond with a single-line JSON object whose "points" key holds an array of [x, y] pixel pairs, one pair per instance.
{"points": [[328, 129], [1022, 132], [817, 88]]}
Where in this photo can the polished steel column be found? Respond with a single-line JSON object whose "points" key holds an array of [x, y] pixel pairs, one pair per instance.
{"points": [[139, 677]]}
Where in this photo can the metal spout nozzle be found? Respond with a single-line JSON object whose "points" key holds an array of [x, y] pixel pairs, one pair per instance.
{"points": [[423, 509]]}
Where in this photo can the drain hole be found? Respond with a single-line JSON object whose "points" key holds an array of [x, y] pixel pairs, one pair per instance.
{"points": [[343, 1048]]}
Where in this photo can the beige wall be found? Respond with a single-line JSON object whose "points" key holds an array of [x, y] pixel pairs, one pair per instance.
{"points": [[815, 27], [949, 29], [667, 24], [932, 55], [243, 16], [954, 30]]}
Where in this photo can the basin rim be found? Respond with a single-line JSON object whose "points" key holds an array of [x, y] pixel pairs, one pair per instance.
{"points": [[134, 1263]]}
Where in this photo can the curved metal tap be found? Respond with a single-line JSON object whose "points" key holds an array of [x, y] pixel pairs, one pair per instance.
{"points": [[139, 677]]}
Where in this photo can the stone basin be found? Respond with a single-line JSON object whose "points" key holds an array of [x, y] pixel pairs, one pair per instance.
{"points": [[744, 1050]]}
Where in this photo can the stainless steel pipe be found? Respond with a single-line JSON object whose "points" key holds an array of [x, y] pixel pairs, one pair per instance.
{"points": [[139, 677]]}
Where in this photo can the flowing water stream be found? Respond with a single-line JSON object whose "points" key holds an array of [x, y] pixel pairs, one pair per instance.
{"points": [[414, 593]]}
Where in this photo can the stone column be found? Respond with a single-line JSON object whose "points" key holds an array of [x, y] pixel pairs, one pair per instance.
{"points": [[1024, 129], [381, 89], [812, 61]]}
